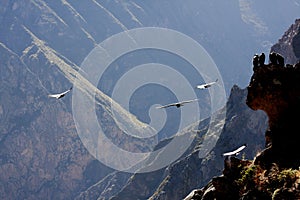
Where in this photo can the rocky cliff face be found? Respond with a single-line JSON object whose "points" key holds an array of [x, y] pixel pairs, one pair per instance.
{"points": [[276, 90], [274, 172]]}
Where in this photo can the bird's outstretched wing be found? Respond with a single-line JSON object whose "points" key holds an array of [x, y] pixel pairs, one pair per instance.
{"points": [[165, 106], [188, 101], [178, 104], [60, 95], [235, 152], [54, 95], [206, 85]]}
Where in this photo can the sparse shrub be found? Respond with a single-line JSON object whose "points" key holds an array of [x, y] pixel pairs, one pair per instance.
{"points": [[270, 182], [281, 178], [287, 177], [249, 177]]}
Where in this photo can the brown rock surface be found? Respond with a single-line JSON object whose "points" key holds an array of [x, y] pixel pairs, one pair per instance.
{"points": [[276, 90]]}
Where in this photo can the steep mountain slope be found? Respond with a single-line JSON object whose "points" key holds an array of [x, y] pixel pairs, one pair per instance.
{"points": [[40, 149]]}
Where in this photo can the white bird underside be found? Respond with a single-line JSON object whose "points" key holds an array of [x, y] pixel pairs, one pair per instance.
{"points": [[59, 95], [206, 85], [178, 104], [235, 152]]}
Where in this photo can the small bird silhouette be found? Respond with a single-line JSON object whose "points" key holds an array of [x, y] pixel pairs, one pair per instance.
{"points": [[206, 85], [235, 152], [60, 95], [178, 104]]}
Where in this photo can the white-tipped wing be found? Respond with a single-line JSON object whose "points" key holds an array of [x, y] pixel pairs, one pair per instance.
{"points": [[178, 104], [60, 95], [54, 95], [206, 85], [235, 152], [188, 101]]}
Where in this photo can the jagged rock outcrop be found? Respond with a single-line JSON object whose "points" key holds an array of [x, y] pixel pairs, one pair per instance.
{"points": [[276, 90]]}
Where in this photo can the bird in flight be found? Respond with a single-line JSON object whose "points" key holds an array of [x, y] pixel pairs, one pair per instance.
{"points": [[178, 104], [206, 85], [235, 152], [60, 95]]}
